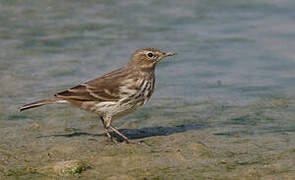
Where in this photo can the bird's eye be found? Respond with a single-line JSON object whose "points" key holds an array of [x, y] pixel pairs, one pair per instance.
{"points": [[150, 54]]}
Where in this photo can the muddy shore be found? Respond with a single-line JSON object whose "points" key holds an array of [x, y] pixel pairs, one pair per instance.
{"points": [[212, 141]]}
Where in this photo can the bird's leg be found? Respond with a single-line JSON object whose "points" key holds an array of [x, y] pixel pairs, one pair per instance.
{"points": [[118, 132], [105, 128], [107, 124]]}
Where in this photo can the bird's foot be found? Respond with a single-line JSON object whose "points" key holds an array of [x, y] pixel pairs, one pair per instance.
{"points": [[120, 134]]}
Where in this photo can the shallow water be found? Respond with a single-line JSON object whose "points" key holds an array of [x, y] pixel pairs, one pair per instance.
{"points": [[231, 87]]}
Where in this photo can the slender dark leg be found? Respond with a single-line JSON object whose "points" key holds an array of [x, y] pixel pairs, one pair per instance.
{"points": [[105, 128], [118, 132], [107, 125]]}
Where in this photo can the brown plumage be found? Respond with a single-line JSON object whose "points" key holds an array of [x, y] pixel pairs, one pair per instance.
{"points": [[116, 93]]}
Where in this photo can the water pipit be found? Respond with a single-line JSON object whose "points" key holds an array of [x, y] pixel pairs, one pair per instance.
{"points": [[115, 94]]}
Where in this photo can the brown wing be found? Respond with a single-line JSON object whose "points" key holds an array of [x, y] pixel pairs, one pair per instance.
{"points": [[105, 88]]}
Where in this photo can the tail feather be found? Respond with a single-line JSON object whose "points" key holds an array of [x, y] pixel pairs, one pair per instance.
{"points": [[38, 103]]}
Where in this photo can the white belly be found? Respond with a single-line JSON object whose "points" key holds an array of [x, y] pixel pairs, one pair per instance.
{"points": [[116, 109]]}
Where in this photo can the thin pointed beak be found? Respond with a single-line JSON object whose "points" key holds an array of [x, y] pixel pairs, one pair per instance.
{"points": [[169, 54]]}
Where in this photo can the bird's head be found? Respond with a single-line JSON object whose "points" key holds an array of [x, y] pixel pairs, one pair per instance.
{"points": [[147, 58]]}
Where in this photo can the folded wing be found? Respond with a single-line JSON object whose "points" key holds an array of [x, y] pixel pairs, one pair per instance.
{"points": [[106, 88]]}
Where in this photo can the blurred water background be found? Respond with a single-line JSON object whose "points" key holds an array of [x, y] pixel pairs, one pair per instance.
{"points": [[234, 72]]}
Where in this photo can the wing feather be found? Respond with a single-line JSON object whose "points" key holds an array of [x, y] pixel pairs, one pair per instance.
{"points": [[105, 88]]}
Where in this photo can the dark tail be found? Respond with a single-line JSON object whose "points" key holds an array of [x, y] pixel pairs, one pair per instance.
{"points": [[38, 103]]}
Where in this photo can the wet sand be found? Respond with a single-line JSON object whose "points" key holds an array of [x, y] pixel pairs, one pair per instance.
{"points": [[226, 146]]}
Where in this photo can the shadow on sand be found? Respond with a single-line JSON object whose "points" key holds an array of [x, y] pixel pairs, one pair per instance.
{"points": [[138, 133]]}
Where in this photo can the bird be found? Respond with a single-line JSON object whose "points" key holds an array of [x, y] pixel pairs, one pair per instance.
{"points": [[114, 94]]}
